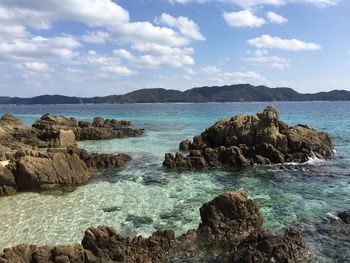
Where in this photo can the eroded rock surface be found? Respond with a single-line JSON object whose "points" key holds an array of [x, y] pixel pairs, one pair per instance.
{"points": [[231, 231], [245, 140], [45, 155], [53, 127]]}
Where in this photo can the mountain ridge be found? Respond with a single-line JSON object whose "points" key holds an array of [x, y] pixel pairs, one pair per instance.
{"points": [[227, 93]]}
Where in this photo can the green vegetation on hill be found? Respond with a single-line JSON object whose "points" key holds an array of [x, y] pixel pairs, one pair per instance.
{"points": [[233, 93]]}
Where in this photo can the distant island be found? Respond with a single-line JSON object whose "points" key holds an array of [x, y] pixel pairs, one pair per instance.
{"points": [[232, 93]]}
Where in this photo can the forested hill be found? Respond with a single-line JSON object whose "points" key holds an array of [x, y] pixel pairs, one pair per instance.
{"points": [[233, 93]]}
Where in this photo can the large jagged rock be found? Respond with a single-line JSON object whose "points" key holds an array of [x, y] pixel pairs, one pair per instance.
{"points": [[230, 232], [9, 119], [251, 139], [58, 131], [229, 217], [37, 171], [44, 156], [52, 128], [265, 246], [7, 182], [99, 161], [345, 216]]}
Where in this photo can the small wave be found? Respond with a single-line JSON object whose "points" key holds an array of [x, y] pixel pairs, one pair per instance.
{"points": [[314, 160]]}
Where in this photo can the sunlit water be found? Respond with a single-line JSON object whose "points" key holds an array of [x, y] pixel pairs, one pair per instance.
{"points": [[145, 197]]}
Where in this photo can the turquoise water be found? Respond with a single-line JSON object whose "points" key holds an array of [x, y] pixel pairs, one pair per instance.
{"points": [[149, 197]]}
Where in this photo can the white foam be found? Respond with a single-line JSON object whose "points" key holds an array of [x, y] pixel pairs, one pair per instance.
{"points": [[314, 160]]}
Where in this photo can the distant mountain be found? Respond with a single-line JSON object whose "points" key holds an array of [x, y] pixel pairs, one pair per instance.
{"points": [[233, 93]]}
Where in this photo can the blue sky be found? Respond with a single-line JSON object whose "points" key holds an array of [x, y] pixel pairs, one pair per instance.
{"points": [[90, 47]]}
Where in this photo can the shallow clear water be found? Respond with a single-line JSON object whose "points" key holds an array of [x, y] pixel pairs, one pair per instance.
{"points": [[148, 197]]}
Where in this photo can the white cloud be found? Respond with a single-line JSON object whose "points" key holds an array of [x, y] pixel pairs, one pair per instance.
{"points": [[40, 14], [34, 66], [276, 18], [253, 3], [269, 42], [157, 55], [74, 70], [218, 76], [139, 32], [244, 18], [211, 69], [124, 54], [261, 57], [119, 70], [186, 26], [98, 37], [58, 47]]}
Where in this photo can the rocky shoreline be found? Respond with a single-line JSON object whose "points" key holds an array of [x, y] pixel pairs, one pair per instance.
{"points": [[45, 156], [246, 140], [230, 231]]}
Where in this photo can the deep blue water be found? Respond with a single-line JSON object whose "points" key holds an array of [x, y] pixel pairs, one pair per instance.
{"points": [[150, 197]]}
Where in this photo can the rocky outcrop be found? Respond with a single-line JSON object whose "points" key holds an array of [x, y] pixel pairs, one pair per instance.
{"points": [[37, 171], [231, 231], [345, 216], [10, 119], [7, 182], [99, 161], [251, 139], [59, 129], [43, 170], [265, 246], [230, 217], [45, 155]]}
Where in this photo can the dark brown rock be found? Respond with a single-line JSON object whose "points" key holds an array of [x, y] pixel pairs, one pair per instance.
{"points": [[7, 182], [97, 161], [230, 217], [230, 232], [251, 139], [9, 119], [185, 145], [37, 171], [345, 216], [265, 246]]}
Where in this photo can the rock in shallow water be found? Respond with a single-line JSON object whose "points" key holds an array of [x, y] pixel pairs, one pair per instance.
{"points": [[251, 139], [44, 156], [231, 231]]}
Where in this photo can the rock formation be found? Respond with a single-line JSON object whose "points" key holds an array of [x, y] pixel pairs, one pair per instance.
{"points": [[230, 231], [58, 129], [245, 140], [45, 155]]}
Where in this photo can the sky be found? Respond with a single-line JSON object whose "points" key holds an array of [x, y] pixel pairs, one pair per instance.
{"points": [[103, 47]]}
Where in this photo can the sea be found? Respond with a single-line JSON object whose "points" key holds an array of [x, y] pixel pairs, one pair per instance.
{"points": [[143, 196]]}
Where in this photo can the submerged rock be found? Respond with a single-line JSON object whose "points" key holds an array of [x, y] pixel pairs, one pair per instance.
{"points": [[231, 231], [251, 139]]}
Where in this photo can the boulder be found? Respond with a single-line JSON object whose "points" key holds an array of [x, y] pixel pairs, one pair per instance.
{"points": [[97, 161], [57, 131], [251, 139], [229, 217], [185, 145], [345, 216], [7, 182], [231, 231], [36, 171], [9, 119], [52, 128], [264, 246]]}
